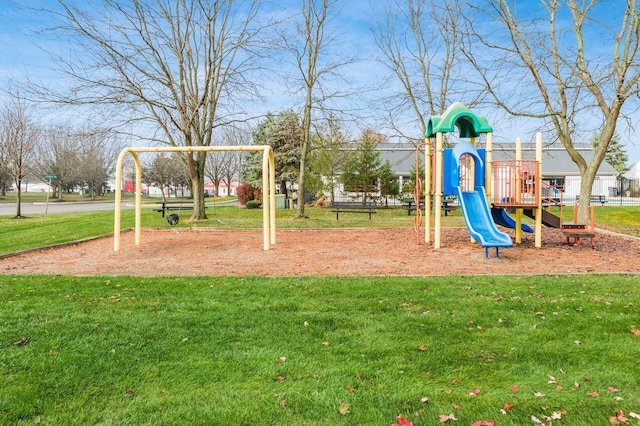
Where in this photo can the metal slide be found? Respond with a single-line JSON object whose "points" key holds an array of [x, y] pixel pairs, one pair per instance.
{"points": [[501, 217], [479, 220]]}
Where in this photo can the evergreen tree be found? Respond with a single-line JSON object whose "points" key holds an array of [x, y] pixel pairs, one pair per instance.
{"points": [[615, 154], [283, 133], [362, 167], [389, 185], [329, 151]]}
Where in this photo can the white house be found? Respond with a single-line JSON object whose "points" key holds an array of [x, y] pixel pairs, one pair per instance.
{"points": [[634, 171]]}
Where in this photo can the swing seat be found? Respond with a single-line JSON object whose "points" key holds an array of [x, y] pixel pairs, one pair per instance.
{"points": [[173, 219]]}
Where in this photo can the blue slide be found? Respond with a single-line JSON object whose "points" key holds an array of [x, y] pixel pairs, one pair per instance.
{"points": [[501, 217], [473, 204], [479, 220]]}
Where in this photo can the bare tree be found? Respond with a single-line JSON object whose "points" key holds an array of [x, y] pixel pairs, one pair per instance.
{"points": [[418, 40], [224, 166], [165, 171], [309, 49], [18, 140], [58, 155], [575, 74], [98, 156], [174, 67]]}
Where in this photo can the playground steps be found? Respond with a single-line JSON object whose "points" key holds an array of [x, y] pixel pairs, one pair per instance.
{"points": [[548, 219]]}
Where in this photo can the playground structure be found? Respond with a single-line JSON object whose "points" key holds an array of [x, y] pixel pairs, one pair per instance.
{"points": [[485, 189], [268, 185]]}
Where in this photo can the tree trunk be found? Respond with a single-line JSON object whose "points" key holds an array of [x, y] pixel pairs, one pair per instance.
{"points": [[196, 171], [301, 180], [306, 132], [19, 199], [588, 176]]}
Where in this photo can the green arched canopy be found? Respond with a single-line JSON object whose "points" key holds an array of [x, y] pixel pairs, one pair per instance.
{"points": [[457, 115]]}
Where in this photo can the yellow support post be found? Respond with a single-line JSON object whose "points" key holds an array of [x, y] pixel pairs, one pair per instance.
{"points": [[437, 202], [518, 191], [538, 234], [427, 191], [488, 173]]}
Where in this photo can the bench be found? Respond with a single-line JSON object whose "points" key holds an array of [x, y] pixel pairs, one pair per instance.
{"points": [[595, 199], [446, 207], [354, 207]]}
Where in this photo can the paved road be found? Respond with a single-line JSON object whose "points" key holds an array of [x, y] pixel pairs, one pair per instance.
{"points": [[55, 207], [9, 209]]}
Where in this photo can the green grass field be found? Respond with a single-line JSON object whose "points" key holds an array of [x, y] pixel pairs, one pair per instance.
{"points": [[318, 351], [313, 351]]}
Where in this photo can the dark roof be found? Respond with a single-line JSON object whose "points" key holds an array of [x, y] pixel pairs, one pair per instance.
{"points": [[555, 159]]}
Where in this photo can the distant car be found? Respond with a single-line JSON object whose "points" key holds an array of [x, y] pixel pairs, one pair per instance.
{"points": [[207, 193]]}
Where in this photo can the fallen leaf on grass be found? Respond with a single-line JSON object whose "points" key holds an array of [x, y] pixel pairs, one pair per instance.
{"points": [[634, 415], [456, 406], [129, 394], [508, 406], [403, 422], [281, 359], [422, 348], [612, 389], [474, 392], [351, 388], [593, 394], [448, 391], [515, 388], [445, 418], [635, 330], [536, 421], [344, 409], [283, 403], [538, 394], [618, 419], [483, 423], [424, 399]]}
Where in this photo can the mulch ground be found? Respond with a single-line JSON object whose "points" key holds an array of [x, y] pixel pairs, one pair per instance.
{"points": [[305, 252]]}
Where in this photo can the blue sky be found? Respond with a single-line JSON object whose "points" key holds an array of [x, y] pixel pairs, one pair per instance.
{"points": [[20, 57]]}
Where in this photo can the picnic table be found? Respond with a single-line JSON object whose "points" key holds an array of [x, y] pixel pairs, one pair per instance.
{"points": [[447, 206]]}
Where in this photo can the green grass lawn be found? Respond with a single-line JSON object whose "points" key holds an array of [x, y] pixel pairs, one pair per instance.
{"points": [[318, 351], [312, 351]]}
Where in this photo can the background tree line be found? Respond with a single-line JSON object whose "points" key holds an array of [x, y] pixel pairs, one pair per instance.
{"points": [[179, 72]]}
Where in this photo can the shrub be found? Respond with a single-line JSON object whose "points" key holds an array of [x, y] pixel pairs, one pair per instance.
{"points": [[253, 204], [246, 192]]}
